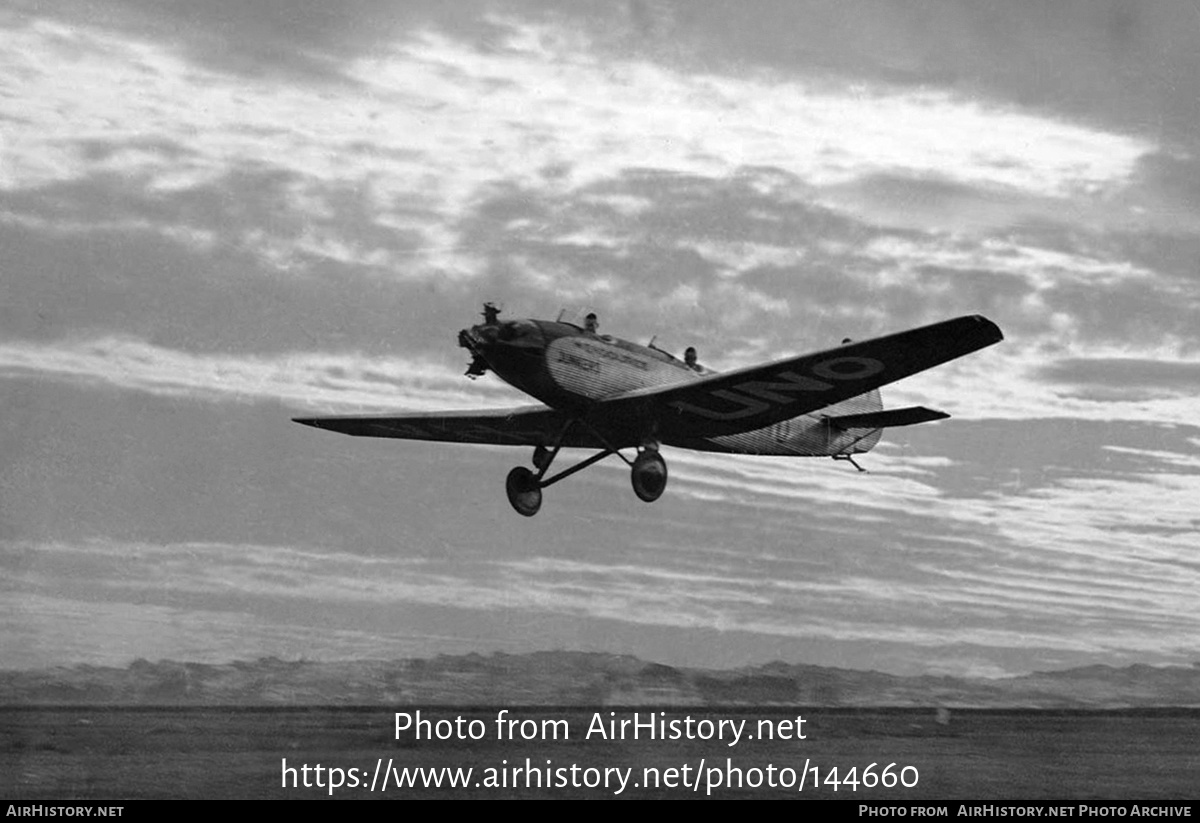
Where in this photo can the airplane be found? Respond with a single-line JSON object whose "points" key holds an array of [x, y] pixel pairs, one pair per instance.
{"points": [[603, 393]]}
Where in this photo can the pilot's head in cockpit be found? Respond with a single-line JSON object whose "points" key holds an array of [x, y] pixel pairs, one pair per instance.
{"points": [[590, 323]]}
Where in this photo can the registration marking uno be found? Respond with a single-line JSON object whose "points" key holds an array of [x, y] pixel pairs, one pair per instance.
{"points": [[757, 396]]}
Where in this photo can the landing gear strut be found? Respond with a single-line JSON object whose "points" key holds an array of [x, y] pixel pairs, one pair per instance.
{"points": [[648, 473]]}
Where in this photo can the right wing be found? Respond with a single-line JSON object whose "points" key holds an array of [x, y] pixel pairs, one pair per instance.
{"points": [[522, 426]]}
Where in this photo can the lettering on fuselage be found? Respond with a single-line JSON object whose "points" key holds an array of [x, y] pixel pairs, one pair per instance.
{"points": [[613, 354], [756, 396], [581, 363], [595, 367]]}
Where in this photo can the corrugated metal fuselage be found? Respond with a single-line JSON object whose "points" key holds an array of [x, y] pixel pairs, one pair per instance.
{"points": [[569, 368]]}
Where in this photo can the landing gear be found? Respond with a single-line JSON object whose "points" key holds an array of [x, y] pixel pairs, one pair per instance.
{"points": [[649, 475], [524, 491]]}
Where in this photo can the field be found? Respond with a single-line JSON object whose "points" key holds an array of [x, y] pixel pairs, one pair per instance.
{"points": [[130, 753]]}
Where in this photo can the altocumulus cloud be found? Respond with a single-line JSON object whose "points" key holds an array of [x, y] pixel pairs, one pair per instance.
{"points": [[437, 116]]}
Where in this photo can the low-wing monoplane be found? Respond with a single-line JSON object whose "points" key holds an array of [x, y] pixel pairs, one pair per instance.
{"points": [[607, 394]]}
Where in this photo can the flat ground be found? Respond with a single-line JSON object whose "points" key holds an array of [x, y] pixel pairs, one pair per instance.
{"points": [[130, 753]]}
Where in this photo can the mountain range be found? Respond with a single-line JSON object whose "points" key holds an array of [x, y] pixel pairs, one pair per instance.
{"points": [[584, 679]]}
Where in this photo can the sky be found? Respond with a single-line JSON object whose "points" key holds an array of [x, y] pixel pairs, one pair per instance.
{"points": [[216, 215]]}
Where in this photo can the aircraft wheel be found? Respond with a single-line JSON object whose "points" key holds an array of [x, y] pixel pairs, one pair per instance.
{"points": [[649, 475], [524, 493]]}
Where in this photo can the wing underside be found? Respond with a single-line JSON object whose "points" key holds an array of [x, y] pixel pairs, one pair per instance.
{"points": [[524, 426]]}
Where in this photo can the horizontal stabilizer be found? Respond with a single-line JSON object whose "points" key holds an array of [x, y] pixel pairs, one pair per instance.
{"points": [[908, 416]]}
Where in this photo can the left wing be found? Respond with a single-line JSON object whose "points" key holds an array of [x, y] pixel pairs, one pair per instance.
{"points": [[760, 396], [522, 426]]}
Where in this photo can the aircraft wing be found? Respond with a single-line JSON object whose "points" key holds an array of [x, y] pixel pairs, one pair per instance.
{"points": [[760, 396], [522, 426]]}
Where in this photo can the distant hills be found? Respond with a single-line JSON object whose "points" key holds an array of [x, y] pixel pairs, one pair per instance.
{"points": [[583, 679]]}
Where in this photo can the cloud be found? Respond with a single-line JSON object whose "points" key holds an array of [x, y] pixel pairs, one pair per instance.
{"points": [[435, 116], [1126, 376], [341, 382], [468, 162], [1041, 267], [1123, 65], [710, 124], [131, 583], [83, 632]]}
